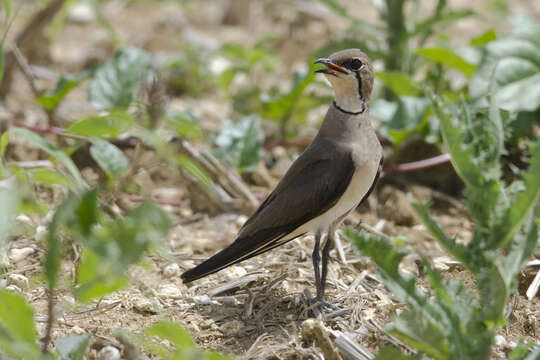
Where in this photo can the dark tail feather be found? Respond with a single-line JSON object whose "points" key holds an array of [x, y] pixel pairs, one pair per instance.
{"points": [[239, 250]]}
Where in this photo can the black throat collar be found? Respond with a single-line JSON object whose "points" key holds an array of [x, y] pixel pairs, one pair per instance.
{"points": [[347, 111]]}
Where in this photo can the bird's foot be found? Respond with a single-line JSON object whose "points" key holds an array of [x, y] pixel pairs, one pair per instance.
{"points": [[318, 305]]}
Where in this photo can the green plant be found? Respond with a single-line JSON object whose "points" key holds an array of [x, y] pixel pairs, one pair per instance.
{"points": [[459, 322]]}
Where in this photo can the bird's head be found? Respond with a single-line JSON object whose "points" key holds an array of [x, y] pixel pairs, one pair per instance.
{"points": [[351, 75]]}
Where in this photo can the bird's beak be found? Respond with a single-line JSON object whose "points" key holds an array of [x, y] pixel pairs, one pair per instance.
{"points": [[331, 68]]}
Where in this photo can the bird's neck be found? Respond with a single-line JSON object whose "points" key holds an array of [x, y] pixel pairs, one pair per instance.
{"points": [[344, 126], [348, 98]]}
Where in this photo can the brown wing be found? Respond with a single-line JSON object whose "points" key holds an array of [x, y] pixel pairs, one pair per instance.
{"points": [[312, 185]]}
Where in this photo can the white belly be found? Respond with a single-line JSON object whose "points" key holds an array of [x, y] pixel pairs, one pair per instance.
{"points": [[360, 184]]}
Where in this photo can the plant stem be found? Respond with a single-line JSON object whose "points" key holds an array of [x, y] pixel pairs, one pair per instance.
{"points": [[50, 321], [415, 165]]}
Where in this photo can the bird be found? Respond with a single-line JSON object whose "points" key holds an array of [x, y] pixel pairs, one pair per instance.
{"points": [[333, 175]]}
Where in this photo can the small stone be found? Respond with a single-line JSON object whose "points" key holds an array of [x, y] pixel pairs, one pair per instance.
{"points": [[80, 12], [169, 291], [13, 288], [3, 283], [232, 327], [24, 220], [500, 340], [145, 305], [202, 299], [18, 280], [69, 299], [17, 255], [41, 233], [236, 271], [77, 330], [109, 353], [171, 270]]}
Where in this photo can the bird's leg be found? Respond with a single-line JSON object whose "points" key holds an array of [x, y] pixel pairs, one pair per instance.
{"points": [[325, 257], [315, 256]]}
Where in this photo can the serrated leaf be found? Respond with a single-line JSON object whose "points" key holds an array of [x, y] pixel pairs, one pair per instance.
{"points": [[115, 81], [389, 353], [410, 114], [52, 150], [72, 347], [17, 331], [514, 61], [105, 126], [50, 100], [522, 204], [240, 143], [493, 295], [449, 58], [109, 158], [399, 83]]}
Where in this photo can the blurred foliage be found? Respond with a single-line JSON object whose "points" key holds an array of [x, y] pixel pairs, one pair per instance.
{"points": [[457, 323]]}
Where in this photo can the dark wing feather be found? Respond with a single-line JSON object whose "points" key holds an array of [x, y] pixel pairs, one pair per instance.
{"points": [[312, 185]]}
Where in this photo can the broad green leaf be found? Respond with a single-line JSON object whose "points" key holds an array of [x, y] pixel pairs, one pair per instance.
{"points": [[185, 124], [45, 176], [115, 81], [95, 278], [9, 202], [51, 99], [514, 62], [87, 212], [493, 295], [72, 347], [109, 158], [240, 143], [447, 57], [17, 331], [172, 332], [410, 115], [485, 38], [399, 83], [52, 150], [104, 126]]}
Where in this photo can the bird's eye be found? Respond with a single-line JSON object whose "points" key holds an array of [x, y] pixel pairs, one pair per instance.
{"points": [[356, 64]]}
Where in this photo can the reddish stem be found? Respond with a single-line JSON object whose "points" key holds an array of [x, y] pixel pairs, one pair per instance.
{"points": [[415, 165], [138, 198]]}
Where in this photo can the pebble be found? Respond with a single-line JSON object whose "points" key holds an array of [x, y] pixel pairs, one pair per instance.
{"points": [[500, 340], [17, 255], [41, 233], [24, 220], [171, 270], [145, 305], [169, 291], [3, 283], [81, 12], [13, 288], [235, 272], [77, 330], [18, 280], [109, 353]]}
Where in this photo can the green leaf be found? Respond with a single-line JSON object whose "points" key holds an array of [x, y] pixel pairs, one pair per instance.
{"points": [[389, 353], [520, 351], [449, 58], [52, 150], [493, 296], [4, 140], [95, 278], [172, 332], [50, 100], [63, 216], [338, 9], [17, 331], [440, 18], [109, 158], [185, 123], [9, 202], [45, 176], [115, 81], [522, 204], [485, 38], [514, 62], [240, 143], [410, 115], [399, 83], [72, 347], [534, 354], [105, 126]]}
